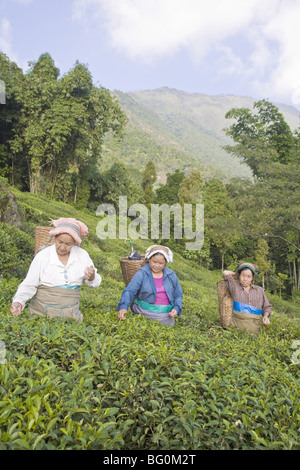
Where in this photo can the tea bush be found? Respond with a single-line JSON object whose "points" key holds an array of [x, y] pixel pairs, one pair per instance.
{"points": [[106, 384], [125, 385], [16, 249]]}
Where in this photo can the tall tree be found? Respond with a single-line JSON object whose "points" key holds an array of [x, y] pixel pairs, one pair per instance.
{"points": [[191, 188], [221, 224], [168, 193], [12, 76], [36, 97], [60, 127], [270, 208], [148, 179], [261, 135]]}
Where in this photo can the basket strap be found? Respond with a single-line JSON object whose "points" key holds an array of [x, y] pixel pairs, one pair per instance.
{"points": [[44, 246]]}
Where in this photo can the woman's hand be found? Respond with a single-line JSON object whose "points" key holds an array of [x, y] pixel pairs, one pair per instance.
{"points": [[266, 319], [15, 309], [89, 273], [228, 273], [173, 313], [122, 313]]}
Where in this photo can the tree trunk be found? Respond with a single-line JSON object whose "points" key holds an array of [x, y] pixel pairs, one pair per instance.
{"points": [[75, 193], [295, 282], [223, 255], [12, 170], [34, 181]]}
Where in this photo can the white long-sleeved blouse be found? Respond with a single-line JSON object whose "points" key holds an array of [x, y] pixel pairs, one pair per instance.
{"points": [[46, 269]]}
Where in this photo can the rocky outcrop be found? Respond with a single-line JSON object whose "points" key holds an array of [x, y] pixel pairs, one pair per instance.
{"points": [[9, 211]]}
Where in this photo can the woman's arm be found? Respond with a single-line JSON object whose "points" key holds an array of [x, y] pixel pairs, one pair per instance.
{"points": [[28, 287], [267, 310], [231, 284], [177, 307], [129, 293]]}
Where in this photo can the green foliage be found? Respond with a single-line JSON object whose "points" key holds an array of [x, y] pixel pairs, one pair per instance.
{"points": [[108, 186], [16, 250], [191, 189], [149, 175], [269, 208], [4, 197], [263, 129], [11, 75], [168, 193], [148, 180], [54, 144], [104, 384]]}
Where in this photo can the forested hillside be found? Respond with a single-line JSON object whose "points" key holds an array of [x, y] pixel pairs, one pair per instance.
{"points": [[183, 131]]}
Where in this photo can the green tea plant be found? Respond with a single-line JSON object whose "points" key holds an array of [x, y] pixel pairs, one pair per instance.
{"points": [[107, 384]]}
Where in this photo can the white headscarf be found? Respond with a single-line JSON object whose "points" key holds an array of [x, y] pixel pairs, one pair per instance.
{"points": [[164, 250]]}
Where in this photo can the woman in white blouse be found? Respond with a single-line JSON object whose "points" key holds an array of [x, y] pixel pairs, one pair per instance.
{"points": [[56, 273]]}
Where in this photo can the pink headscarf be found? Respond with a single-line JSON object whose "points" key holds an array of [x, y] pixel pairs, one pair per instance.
{"points": [[72, 227]]}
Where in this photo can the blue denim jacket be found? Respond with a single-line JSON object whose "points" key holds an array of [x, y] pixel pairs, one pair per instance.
{"points": [[142, 286]]}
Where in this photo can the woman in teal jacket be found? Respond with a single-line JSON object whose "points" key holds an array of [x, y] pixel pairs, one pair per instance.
{"points": [[154, 290]]}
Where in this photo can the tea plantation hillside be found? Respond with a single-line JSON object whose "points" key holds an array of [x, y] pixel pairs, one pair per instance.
{"points": [[111, 385]]}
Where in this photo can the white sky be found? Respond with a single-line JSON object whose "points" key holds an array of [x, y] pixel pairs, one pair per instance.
{"points": [[240, 47]]}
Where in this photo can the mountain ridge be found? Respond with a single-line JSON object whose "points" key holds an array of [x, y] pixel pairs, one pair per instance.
{"points": [[182, 130]]}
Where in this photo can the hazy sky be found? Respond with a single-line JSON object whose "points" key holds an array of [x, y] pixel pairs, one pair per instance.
{"points": [[242, 47]]}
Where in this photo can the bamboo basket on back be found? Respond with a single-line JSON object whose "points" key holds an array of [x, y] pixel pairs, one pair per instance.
{"points": [[130, 266], [225, 303], [42, 238]]}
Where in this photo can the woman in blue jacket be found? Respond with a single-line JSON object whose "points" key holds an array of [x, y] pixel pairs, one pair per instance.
{"points": [[154, 290]]}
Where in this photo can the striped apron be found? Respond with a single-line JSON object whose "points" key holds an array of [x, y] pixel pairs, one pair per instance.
{"points": [[153, 312], [56, 302]]}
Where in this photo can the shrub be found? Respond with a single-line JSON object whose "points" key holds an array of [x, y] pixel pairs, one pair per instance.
{"points": [[16, 251]]}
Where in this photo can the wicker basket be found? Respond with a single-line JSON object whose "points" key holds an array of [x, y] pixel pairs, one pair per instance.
{"points": [[130, 267], [225, 304], [42, 237]]}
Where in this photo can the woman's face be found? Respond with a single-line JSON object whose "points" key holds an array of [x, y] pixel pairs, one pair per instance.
{"points": [[64, 243], [246, 277], [157, 263]]}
